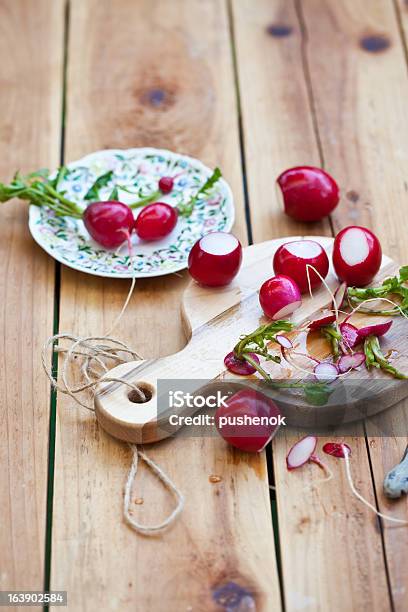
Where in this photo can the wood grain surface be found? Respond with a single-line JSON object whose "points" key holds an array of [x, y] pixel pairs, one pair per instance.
{"points": [[164, 79], [30, 135], [316, 524]]}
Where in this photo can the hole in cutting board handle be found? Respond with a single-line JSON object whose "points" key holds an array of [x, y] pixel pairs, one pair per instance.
{"points": [[147, 389]]}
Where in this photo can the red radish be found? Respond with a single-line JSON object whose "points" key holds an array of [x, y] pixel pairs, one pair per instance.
{"points": [[356, 255], [109, 223], [309, 193], [279, 297], [337, 449], [301, 452], [340, 295], [215, 259], [155, 221], [326, 372], [378, 329], [248, 421], [325, 320], [292, 258], [350, 335], [240, 366], [350, 362], [283, 341], [166, 184]]}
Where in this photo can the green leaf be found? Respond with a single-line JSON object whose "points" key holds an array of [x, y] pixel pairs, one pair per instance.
{"points": [[186, 209], [102, 181]]}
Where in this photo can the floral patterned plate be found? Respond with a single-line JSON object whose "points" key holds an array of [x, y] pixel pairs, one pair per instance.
{"points": [[138, 170]]}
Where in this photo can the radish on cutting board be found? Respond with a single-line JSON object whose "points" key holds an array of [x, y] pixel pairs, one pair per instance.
{"points": [[215, 259], [309, 193], [357, 255], [292, 259], [279, 297]]}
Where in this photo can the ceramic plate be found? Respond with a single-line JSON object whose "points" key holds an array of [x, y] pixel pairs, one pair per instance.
{"points": [[138, 170]]}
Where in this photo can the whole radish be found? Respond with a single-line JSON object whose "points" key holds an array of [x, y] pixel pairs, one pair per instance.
{"points": [[215, 259], [279, 297], [309, 193], [156, 221], [356, 255], [109, 223], [292, 259], [248, 421]]}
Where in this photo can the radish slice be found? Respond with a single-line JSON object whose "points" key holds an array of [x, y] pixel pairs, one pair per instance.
{"points": [[326, 372], [340, 295], [283, 341], [326, 320], [350, 362], [301, 452], [240, 366], [350, 335], [337, 449], [279, 297], [379, 329]]}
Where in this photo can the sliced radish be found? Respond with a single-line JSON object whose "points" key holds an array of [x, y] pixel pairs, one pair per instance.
{"points": [[356, 255], [279, 297], [337, 449], [283, 341], [340, 295], [215, 259], [240, 366], [326, 372], [309, 193], [350, 335], [350, 362], [378, 329], [292, 259], [301, 452], [326, 320]]}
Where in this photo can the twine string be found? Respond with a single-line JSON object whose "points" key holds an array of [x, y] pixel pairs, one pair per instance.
{"points": [[92, 357]]}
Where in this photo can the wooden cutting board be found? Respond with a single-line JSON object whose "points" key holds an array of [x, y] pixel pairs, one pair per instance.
{"points": [[214, 319]]}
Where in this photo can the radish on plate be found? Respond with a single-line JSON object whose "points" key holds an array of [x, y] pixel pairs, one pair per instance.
{"points": [[279, 296], [309, 193], [215, 259], [109, 223], [248, 420], [356, 255], [292, 259], [156, 221]]}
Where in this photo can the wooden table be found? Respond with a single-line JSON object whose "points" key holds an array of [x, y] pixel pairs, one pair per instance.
{"points": [[254, 86]]}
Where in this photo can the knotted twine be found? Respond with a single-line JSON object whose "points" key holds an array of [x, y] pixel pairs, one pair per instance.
{"points": [[94, 353]]}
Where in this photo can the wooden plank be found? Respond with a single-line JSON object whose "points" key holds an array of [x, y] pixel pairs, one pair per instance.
{"points": [[30, 107], [272, 85], [315, 525], [387, 451], [153, 73], [365, 137]]}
